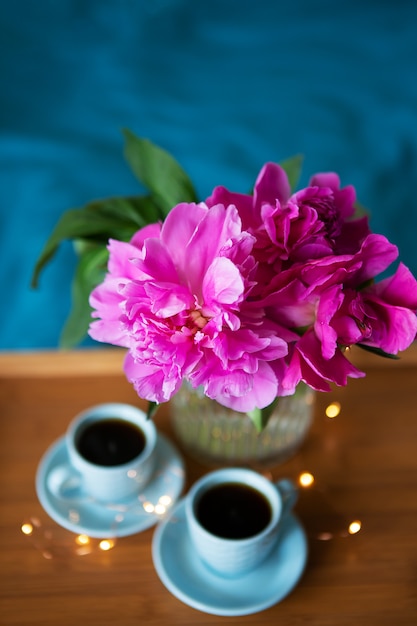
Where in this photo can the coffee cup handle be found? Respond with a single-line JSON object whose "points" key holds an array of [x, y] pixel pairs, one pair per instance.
{"points": [[289, 495], [65, 483]]}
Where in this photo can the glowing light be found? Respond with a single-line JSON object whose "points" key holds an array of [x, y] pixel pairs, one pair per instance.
{"points": [[132, 473], [106, 544], [306, 479], [27, 529], [160, 509], [354, 527], [165, 500], [333, 409], [149, 507], [82, 540]]}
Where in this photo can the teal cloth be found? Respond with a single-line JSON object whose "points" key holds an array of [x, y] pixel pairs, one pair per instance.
{"points": [[223, 85]]}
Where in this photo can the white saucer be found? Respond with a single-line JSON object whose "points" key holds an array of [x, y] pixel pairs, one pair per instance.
{"points": [[186, 577], [132, 516]]}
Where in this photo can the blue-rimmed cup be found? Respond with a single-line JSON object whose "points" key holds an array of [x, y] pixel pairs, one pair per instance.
{"points": [[235, 498], [110, 454]]}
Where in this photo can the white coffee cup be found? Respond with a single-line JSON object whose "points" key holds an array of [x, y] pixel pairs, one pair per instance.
{"points": [[231, 494], [110, 454]]}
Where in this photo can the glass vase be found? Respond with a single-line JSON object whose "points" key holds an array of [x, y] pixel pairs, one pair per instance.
{"points": [[218, 436]]}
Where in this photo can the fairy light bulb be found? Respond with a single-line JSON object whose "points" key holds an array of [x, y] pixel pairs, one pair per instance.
{"points": [[82, 540], [27, 529], [333, 410], [306, 479], [354, 527], [106, 544]]}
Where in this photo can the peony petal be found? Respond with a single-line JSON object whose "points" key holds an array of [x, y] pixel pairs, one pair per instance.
{"points": [[149, 381], [291, 375], [376, 254], [336, 370], [325, 179], [222, 283], [243, 203], [178, 230], [215, 231], [110, 331], [271, 185], [151, 230], [329, 303], [120, 260], [168, 299], [393, 328], [352, 236], [243, 392], [400, 289], [157, 262]]}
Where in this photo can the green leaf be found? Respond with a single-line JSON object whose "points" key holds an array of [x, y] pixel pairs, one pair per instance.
{"points": [[293, 167], [152, 409], [139, 210], [360, 210], [378, 352], [118, 218], [89, 273], [159, 172], [260, 417]]}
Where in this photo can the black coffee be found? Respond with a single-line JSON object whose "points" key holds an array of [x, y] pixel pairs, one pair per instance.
{"points": [[110, 442], [233, 511]]}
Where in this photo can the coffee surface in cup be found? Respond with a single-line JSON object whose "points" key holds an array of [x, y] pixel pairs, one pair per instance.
{"points": [[233, 511], [111, 442]]}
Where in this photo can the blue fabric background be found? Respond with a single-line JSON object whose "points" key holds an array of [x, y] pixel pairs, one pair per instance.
{"points": [[223, 85]]}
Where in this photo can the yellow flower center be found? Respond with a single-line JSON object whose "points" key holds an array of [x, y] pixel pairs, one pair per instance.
{"points": [[198, 319]]}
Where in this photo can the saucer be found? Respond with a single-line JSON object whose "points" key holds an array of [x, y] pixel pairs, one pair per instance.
{"points": [[96, 519], [186, 577]]}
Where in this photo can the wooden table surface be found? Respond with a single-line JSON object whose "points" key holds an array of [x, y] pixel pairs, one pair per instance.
{"points": [[365, 467]]}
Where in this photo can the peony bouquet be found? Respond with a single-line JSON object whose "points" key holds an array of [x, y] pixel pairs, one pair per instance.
{"points": [[245, 295]]}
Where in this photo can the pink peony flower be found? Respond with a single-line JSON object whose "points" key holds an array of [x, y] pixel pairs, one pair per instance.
{"points": [[176, 300], [248, 295], [389, 307]]}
